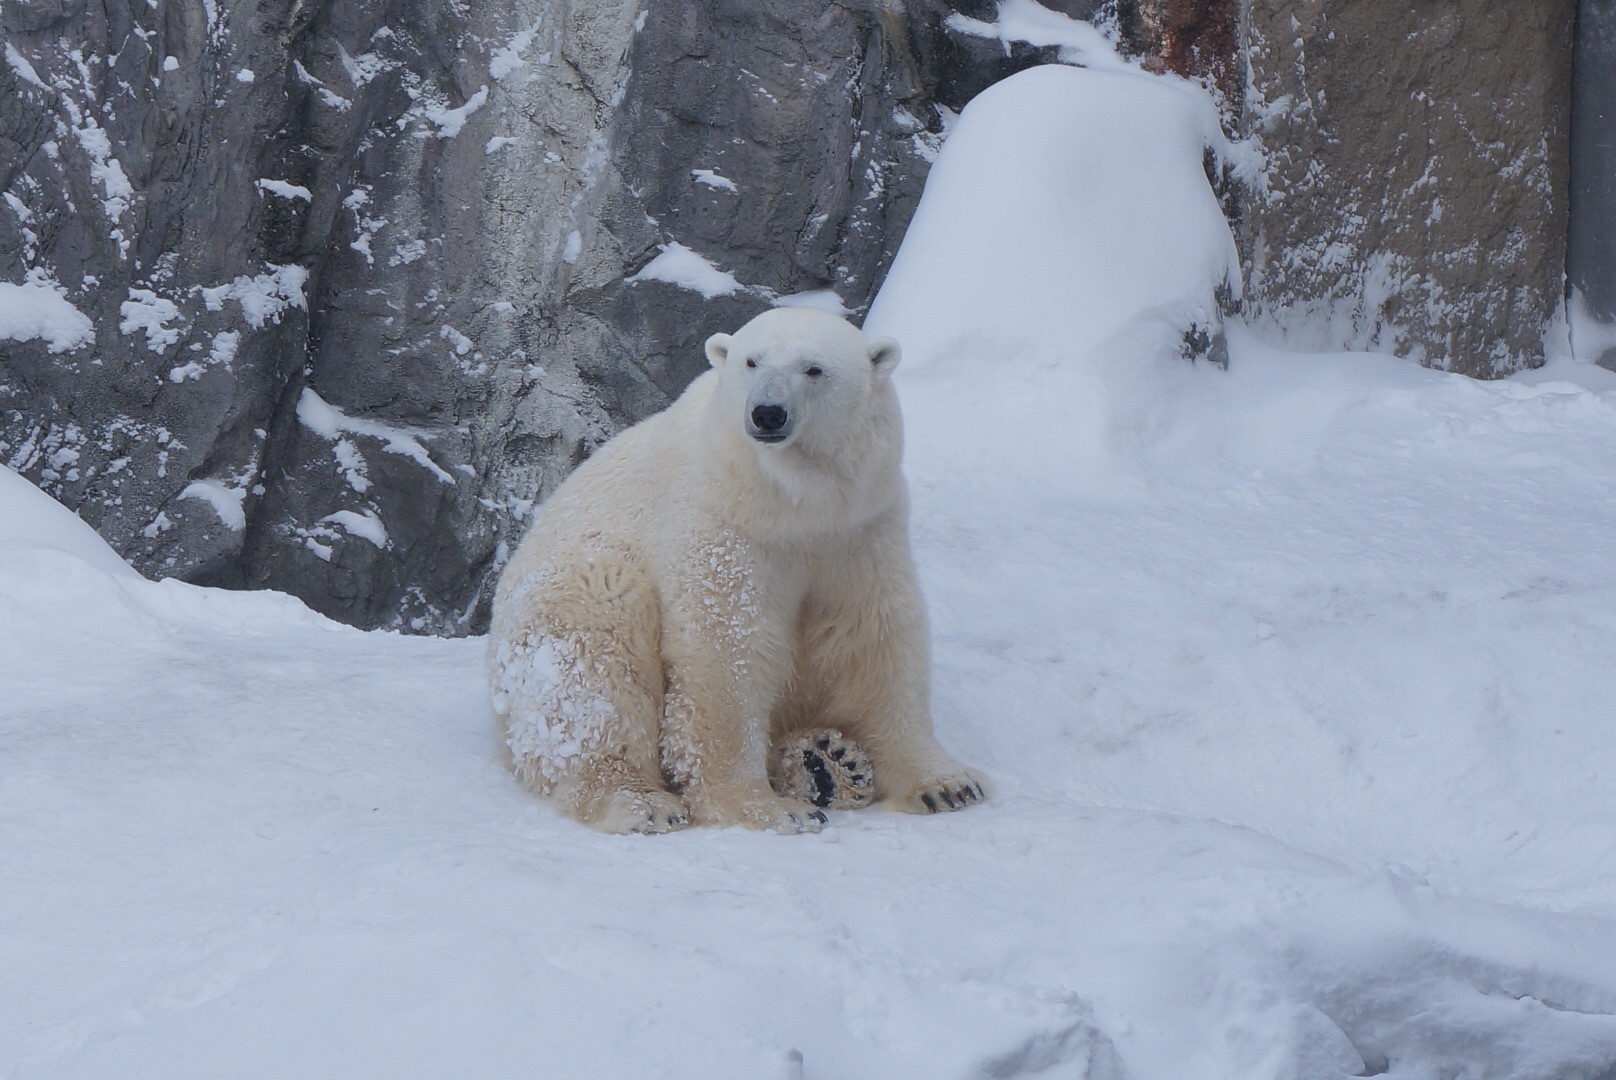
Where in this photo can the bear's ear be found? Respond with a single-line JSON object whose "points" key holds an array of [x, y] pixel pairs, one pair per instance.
{"points": [[718, 348], [884, 355]]}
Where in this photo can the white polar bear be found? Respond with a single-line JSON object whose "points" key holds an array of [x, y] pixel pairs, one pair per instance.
{"points": [[724, 576]]}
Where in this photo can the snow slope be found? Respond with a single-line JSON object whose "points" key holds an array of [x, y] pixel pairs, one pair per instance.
{"points": [[1295, 680]]}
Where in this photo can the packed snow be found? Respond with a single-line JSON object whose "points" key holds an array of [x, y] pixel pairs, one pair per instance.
{"points": [[1294, 680]]}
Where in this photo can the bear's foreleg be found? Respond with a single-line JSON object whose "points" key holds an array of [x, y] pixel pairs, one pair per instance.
{"points": [[727, 647], [867, 650]]}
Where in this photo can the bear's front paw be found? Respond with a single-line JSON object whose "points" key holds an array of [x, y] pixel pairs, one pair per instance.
{"points": [[797, 818], [643, 812], [768, 812], [952, 791]]}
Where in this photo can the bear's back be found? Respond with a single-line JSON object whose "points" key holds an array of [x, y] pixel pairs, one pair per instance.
{"points": [[620, 489]]}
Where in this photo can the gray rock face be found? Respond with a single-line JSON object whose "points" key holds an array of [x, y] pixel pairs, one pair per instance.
{"points": [[1591, 257], [1416, 182], [369, 279]]}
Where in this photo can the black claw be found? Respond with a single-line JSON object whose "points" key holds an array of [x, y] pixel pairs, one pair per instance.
{"points": [[931, 804], [949, 799], [839, 753], [818, 816]]}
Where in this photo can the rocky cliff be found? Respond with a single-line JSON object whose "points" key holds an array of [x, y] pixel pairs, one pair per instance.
{"points": [[368, 278]]}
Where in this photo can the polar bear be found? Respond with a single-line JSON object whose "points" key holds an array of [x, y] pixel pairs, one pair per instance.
{"points": [[728, 576]]}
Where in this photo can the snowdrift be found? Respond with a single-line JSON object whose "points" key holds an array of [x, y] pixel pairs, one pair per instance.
{"points": [[1295, 679]]}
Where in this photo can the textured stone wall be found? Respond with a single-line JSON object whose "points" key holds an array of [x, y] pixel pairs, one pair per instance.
{"points": [[1416, 188], [366, 277], [1199, 39]]}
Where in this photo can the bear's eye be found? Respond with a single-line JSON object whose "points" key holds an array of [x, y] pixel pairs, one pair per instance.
{"points": [[751, 362], [814, 372]]}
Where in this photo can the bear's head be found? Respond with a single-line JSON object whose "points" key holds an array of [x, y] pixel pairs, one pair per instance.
{"points": [[796, 377]]}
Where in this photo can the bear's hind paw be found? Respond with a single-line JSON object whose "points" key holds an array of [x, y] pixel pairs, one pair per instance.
{"points": [[826, 769]]}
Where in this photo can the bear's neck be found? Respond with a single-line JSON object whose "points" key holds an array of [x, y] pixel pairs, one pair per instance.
{"points": [[769, 493]]}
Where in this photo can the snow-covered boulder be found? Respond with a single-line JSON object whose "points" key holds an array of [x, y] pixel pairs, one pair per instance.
{"points": [[1068, 209]]}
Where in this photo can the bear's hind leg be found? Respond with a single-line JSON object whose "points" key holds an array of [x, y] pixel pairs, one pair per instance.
{"points": [[579, 687]]}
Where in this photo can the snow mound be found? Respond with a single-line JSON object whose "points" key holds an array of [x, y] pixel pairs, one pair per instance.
{"points": [[1068, 206], [1348, 605], [59, 579], [31, 520]]}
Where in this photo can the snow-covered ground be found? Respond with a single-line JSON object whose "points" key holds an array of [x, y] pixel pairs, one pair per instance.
{"points": [[1296, 681]]}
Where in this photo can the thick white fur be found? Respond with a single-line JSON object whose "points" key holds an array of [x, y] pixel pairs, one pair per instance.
{"points": [[690, 595]]}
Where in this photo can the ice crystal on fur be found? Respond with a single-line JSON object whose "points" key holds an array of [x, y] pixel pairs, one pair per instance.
{"points": [[541, 688]]}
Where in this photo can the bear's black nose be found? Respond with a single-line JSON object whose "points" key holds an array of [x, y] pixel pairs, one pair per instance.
{"points": [[769, 417]]}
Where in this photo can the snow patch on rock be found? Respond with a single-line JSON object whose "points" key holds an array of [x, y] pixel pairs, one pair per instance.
{"points": [[450, 121], [1027, 21], [332, 423], [146, 312], [263, 297], [25, 70], [285, 189], [680, 266], [711, 179], [366, 526], [226, 501], [508, 59], [38, 310]]}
